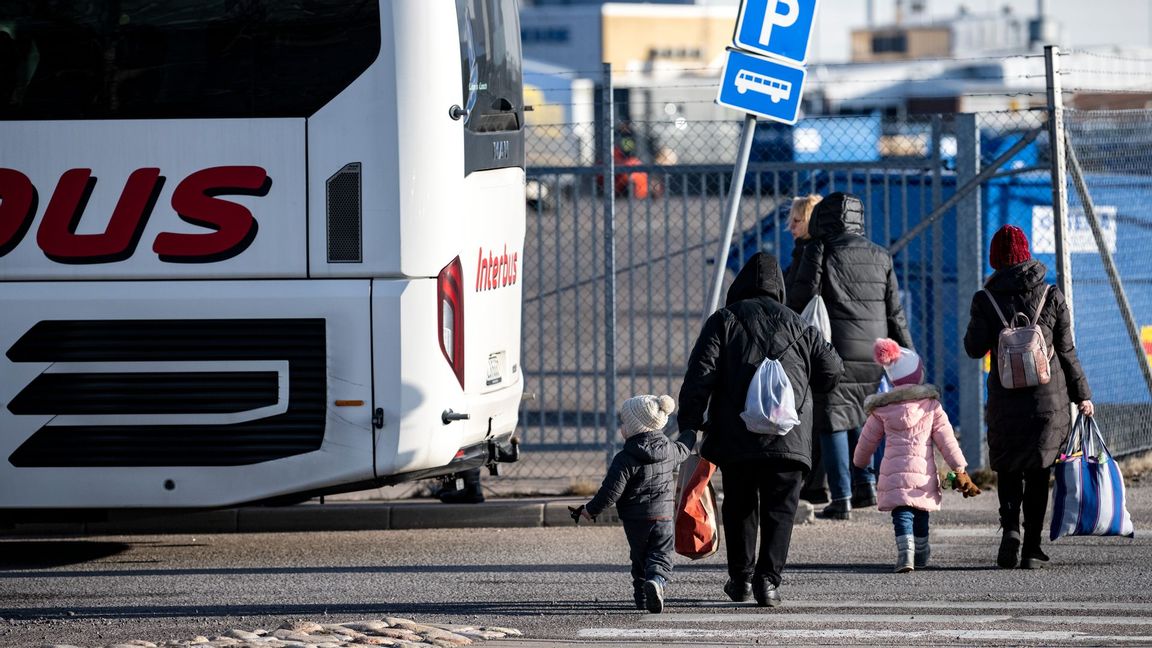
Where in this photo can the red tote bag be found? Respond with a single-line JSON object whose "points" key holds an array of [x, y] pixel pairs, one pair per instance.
{"points": [[697, 530]]}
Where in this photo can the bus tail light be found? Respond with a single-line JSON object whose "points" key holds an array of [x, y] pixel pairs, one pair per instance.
{"points": [[450, 316]]}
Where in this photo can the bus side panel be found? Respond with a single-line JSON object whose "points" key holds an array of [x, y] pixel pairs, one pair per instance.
{"points": [[438, 218], [493, 281], [405, 151], [354, 137], [205, 198], [188, 394], [415, 384]]}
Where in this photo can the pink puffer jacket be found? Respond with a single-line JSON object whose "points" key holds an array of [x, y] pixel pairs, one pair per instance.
{"points": [[912, 422]]}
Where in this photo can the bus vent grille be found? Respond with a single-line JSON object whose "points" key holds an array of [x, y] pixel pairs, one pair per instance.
{"points": [[344, 215], [299, 429]]}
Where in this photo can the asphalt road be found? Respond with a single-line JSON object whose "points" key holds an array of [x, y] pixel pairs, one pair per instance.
{"points": [[571, 584]]}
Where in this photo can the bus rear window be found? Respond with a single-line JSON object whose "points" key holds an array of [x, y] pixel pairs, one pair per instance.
{"points": [[131, 59]]}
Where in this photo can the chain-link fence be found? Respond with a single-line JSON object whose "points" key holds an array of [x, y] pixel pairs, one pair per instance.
{"points": [[620, 255], [1112, 151], [667, 219]]}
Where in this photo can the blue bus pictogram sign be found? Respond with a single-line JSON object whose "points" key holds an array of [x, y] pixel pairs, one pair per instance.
{"points": [[761, 86], [776, 28]]}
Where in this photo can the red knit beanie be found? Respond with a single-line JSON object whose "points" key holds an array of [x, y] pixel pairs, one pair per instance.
{"points": [[1009, 247]]}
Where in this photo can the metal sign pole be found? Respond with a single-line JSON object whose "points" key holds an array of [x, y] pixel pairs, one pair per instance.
{"points": [[732, 209], [768, 82], [608, 166]]}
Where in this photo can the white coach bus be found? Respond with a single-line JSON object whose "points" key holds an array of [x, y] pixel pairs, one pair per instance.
{"points": [[255, 250]]}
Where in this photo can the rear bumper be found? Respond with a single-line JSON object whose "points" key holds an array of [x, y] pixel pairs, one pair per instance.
{"points": [[488, 453]]}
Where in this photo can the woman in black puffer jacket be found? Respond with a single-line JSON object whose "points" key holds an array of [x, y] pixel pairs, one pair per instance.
{"points": [[1026, 426], [856, 280], [762, 474]]}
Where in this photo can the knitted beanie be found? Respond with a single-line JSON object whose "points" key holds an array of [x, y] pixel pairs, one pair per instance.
{"points": [[1009, 247], [646, 413], [903, 366]]}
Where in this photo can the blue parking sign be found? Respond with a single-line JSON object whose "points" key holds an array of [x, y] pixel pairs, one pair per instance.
{"points": [[778, 28], [761, 86]]}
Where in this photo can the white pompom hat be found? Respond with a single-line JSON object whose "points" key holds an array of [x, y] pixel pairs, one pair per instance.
{"points": [[643, 414]]}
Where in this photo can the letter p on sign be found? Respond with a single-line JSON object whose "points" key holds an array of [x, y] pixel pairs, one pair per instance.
{"points": [[779, 29], [773, 17]]}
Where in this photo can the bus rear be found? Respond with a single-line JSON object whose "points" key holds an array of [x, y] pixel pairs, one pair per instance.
{"points": [[255, 250]]}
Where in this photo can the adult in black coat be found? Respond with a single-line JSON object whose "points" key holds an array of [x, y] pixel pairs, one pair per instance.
{"points": [[815, 488], [1026, 426], [799, 215], [855, 278], [761, 474]]}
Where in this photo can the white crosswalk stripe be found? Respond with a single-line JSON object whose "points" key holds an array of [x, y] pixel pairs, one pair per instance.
{"points": [[899, 622], [860, 634]]}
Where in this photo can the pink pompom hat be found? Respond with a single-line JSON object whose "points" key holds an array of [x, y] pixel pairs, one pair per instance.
{"points": [[903, 366]]}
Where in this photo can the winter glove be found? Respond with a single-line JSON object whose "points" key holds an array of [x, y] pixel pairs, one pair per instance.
{"points": [[963, 483], [688, 438], [578, 512]]}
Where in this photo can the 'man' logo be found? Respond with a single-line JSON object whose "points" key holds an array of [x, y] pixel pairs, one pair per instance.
{"points": [[195, 200], [500, 150]]}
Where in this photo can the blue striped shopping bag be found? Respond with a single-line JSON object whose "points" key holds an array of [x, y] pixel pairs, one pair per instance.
{"points": [[1089, 496]]}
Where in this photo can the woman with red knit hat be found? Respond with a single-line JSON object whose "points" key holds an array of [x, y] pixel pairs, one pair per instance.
{"points": [[1026, 425]]}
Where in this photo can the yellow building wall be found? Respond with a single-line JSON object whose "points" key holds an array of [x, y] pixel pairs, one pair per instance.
{"points": [[630, 42], [922, 42]]}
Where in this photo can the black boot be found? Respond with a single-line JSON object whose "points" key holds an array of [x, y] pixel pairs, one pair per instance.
{"points": [[815, 489], [840, 509], [1031, 556], [470, 494], [1009, 552], [863, 495], [638, 596]]}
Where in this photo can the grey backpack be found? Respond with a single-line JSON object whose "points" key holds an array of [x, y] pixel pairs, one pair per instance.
{"points": [[1023, 356]]}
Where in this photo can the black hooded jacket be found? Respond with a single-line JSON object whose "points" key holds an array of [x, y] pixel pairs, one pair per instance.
{"points": [[1027, 426], [855, 277], [639, 481], [727, 353], [798, 246]]}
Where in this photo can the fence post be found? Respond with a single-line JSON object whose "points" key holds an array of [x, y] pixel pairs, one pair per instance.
{"points": [[1059, 176], [938, 377], [608, 166], [1056, 146], [969, 279]]}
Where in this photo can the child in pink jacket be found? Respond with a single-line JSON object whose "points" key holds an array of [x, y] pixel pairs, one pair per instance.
{"points": [[911, 422]]}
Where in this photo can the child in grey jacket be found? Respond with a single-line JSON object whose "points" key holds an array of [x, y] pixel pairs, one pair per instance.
{"points": [[639, 482]]}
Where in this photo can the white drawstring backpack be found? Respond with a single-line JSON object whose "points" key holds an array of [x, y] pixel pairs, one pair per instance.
{"points": [[770, 404]]}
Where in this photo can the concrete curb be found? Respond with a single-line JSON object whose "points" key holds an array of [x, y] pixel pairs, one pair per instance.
{"points": [[331, 516], [372, 515]]}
